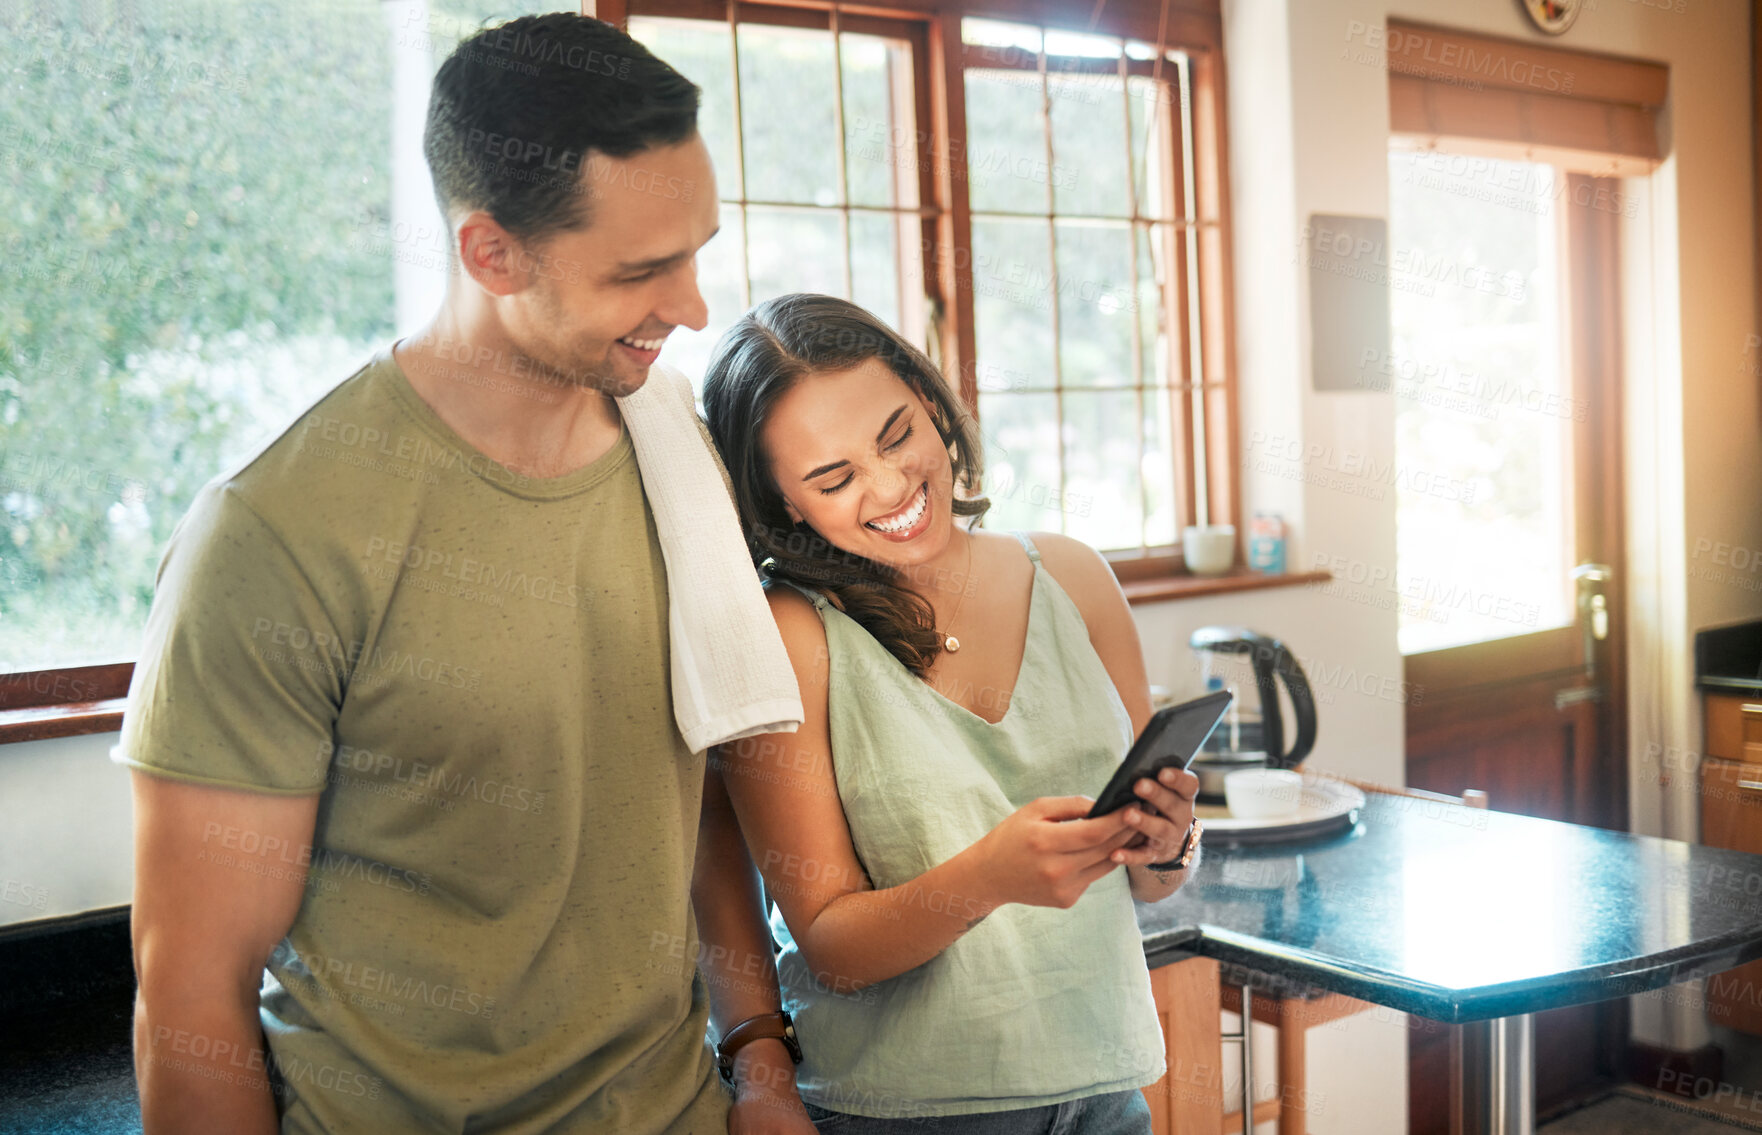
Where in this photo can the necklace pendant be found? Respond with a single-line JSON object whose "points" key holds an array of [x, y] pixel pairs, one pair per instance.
{"points": [[951, 644]]}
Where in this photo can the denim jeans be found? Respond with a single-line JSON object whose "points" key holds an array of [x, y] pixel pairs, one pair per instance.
{"points": [[1114, 1113]]}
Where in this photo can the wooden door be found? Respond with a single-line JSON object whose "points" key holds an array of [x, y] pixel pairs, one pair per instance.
{"points": [[1530, 711]]}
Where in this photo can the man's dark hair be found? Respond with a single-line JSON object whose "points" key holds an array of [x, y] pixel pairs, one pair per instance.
{"points": [[517, 108]]}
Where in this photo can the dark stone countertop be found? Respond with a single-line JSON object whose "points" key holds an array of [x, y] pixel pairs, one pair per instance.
{"points": [[67, 994], [1447, 912], [1459, 914]]}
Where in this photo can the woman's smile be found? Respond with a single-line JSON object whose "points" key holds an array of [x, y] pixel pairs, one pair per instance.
{"points": [[906, 523]]}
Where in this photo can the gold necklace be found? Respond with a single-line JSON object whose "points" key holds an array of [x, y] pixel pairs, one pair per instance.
{"points": [[949, 642]]}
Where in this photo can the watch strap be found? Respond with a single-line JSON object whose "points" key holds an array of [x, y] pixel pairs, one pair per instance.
{"points": [[762, 1027], [1189, 848]]}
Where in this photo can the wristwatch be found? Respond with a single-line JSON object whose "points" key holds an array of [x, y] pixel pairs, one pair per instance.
{"points": [[778, 1024], [1189, 848]]}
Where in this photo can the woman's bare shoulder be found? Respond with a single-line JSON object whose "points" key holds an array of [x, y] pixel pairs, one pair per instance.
{"points": [[804, 636], [1077, 567]]}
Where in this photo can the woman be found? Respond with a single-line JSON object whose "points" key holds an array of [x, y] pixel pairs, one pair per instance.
{"points": [[958, 941]]}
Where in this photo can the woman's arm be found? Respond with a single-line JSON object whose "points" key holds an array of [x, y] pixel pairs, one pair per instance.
{"points": [[851, 934], [1089, 581]]}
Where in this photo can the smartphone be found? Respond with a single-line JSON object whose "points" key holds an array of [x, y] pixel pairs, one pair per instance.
{"points": [[1171, 739]]}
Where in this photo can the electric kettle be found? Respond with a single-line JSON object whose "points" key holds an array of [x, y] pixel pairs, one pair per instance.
{"points": [[1252, 733]]}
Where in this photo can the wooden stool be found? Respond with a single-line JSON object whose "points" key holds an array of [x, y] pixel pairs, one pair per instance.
{"points": [[1293, 1017]]}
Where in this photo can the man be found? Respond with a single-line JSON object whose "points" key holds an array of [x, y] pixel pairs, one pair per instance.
{"points": [[401, 727]]}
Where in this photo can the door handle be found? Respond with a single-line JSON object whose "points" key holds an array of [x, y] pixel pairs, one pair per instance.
{"points": [[1593, 609], [1575, 695]]}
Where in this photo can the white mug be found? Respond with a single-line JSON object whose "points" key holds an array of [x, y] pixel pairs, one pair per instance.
{"points": [[1210, 550], [1263, 793]]}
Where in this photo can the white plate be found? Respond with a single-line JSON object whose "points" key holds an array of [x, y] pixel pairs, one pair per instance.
{"points": [[1324, 805]]}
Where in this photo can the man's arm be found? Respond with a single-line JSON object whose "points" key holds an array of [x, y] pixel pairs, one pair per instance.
{"points": [[738, 965], [219, 876]]}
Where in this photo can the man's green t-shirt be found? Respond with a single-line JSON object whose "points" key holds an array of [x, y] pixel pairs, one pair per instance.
{"points": [[472, 667]]}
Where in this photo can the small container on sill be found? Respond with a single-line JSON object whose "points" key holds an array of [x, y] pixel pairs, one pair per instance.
{"points": [[1266, 543]]}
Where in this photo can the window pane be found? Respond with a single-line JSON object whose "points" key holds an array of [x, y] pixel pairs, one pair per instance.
{"points": [[1007, 170], [1161, 523], [699, 50], [880, 134], [1152, 143], [786, 82], [1095, 302], [1101, 441], [185, 240], [794, 250], [216, 217], [1088, 144], [1021, 461], [1153, 340], [1012, 273], [874, 267], [1483, 412], [1022, 38], [1080, 44]]}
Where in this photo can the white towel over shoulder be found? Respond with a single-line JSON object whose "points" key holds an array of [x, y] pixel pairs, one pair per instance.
{"points": [[731, 676]]}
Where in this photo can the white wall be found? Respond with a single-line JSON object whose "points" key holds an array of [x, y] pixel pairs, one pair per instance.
{"points": [[65, 832]]}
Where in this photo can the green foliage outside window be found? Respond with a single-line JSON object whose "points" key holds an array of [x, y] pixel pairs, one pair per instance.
{"points": [[190, 192]]}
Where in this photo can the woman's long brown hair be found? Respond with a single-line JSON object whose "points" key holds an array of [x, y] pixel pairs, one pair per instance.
{"points": [[758, 360]]}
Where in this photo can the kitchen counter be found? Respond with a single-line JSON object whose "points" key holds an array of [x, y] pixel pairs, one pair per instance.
{"points": [[1460, 914], [1447, 912], [67, 997]]}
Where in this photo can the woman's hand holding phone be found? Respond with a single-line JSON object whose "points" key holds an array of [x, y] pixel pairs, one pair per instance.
{"points": [[1046, 853], [1161, 821]]}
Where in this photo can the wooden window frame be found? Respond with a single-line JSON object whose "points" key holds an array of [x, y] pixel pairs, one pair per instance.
{"points": [[1190, 26], [36, 705], [70, 701]]}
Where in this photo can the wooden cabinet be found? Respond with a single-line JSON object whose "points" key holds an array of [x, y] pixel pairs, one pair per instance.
{"points": [[1731, 816], [1189, 1100], [1731, 804], [1734, 727]]}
